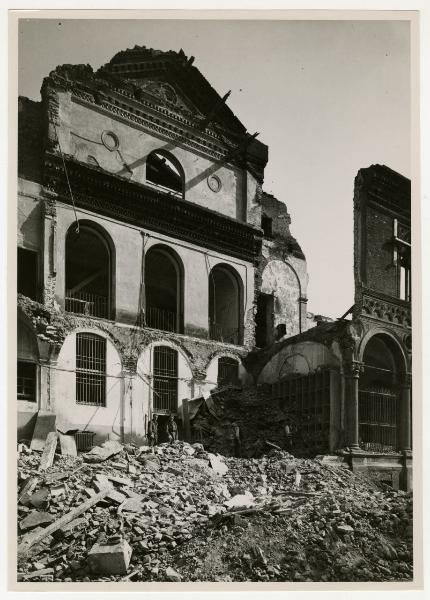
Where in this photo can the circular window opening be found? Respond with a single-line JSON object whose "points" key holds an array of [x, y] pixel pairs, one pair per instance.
{"points": [[214, 183], [110, 140]]}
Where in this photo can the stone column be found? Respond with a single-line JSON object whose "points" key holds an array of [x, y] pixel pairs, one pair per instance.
{"points": [[352, 376], [405, 412], [303, 305]]}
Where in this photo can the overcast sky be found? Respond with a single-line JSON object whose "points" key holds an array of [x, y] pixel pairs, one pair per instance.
{"points": [[328, 98]]}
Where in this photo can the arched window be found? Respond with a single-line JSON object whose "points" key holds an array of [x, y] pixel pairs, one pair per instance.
{"points": [[225, 305], [228, 371], [164, 289], [165, 383], [379, 395], [89, 277], [90, 369], [164, 171]]}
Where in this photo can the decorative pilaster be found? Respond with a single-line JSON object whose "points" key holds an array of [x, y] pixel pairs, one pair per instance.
{"points": [[405, 412], [352, 375]]}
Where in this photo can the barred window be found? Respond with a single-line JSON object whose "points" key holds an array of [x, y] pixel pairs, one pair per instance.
{"points": [[165, 388], [228, 371], [90, 369], [26, 381]]}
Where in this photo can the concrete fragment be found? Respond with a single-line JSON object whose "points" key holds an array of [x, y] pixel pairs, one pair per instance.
{"points": [[103, 452], [217, 464], [49, 451], [240, 501], [67, 444], [172, 575], [110, 559], [344, 529], [45, 424], [40, 498], [34, 519]]}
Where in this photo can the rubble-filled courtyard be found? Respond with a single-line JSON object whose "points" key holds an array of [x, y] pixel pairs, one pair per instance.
{"points": [[179, 513]]}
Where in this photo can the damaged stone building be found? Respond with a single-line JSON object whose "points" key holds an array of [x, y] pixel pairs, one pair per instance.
{"points": [[153, 269], [150, 260]]}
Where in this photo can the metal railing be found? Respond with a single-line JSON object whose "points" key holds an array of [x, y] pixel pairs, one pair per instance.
{"points": [[160, 318], [219, 333], [165, 384], [378, 413], [87, 303]]}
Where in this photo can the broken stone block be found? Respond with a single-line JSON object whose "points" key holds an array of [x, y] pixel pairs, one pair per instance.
{"points": [[35, 519], [172, 575], [344, 529], [110, 559], [40, 498], [240, 501], [217, 464]]}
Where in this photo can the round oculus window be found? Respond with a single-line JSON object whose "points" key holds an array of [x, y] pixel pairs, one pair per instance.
{"points": [[110, 140], [214, 183]]}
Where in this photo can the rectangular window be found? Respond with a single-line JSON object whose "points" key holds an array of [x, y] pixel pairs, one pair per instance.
{"points": [[404, 283], [228, 371], [26, 381], [90, 369], [27, 273], [165, 387]]}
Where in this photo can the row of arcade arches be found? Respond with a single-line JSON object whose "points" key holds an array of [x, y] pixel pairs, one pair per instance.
{"points": [[90, 285]]}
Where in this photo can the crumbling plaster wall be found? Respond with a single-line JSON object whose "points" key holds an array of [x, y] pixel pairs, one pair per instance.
{"points": [[80, 133], [128, 243], [300, 359]]}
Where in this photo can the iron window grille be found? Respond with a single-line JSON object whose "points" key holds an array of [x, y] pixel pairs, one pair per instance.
{"points": [[378, 410], [228, 371], [26, 381], [90, 369], [165, 385]]}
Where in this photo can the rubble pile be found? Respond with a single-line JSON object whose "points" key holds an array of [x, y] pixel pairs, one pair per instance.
{"points": [[258, 416], [123, 513]]}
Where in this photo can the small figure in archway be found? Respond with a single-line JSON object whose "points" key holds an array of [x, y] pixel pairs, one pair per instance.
{"points": [[153, 431], [172, 429], [236, 440]]}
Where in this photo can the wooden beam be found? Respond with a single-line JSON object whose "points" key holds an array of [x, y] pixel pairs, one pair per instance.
{"points": [[37, 536]]}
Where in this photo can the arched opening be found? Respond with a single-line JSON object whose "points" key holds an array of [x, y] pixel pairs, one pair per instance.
{"points": [[89, 276], [165, 172], [225, 305], [164, 290], [379, 395]]}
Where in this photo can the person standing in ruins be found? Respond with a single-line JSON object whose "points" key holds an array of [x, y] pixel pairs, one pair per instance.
{"points": [[153, 431], [236, 440], [172, 429]]}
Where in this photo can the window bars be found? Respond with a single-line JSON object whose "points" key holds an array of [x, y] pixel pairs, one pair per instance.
{"points": [[305, 400], [378, 410], [228, 371], [165, 385], [90, 369]]}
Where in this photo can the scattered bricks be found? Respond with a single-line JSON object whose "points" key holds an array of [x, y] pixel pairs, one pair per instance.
{"points": [[35, 519], [110, 559]]}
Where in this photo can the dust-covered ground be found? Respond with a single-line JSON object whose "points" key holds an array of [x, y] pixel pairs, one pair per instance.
{"points": [[188, 515]]}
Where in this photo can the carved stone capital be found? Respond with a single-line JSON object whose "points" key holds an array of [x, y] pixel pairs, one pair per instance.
{"points": [[354, 368]]}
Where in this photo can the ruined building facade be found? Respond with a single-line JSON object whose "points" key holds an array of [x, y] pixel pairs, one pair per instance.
{"points": [[346, 384], [150, 260]]}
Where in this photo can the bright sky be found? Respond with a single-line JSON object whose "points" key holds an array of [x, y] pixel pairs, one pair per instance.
{"points": [[328, 98]]}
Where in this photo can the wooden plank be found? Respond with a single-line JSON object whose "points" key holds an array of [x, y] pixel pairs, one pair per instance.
{"points": [[68, 444], [49, 451], [34, 538], [45, 423]]}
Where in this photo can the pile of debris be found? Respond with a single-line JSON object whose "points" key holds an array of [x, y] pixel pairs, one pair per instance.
{"points": [[121, 512]]}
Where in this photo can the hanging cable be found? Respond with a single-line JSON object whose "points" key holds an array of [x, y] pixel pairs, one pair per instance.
{"points": [[67, 179]]}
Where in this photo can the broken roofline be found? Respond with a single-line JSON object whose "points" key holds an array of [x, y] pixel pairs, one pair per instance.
{"points": [[137, 204]]}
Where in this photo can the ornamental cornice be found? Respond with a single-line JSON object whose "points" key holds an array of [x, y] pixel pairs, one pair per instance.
{"points": [[396, 312], [221, 145], [134, 203]]}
